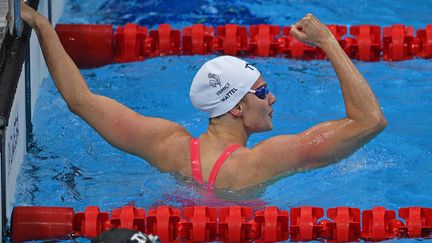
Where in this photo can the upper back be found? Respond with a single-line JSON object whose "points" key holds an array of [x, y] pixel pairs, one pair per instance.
{"points": [[244, 166]]}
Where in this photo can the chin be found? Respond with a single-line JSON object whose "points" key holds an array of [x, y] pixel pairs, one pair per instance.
{"points": [[268, 128], [258, 130], [265, 126]]}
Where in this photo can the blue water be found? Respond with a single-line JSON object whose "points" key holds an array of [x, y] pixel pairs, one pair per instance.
{"points": [[71, 165]]}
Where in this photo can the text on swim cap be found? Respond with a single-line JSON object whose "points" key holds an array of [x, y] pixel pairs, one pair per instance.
{"points": [[223, 89], [247, 66], [231, 92]]}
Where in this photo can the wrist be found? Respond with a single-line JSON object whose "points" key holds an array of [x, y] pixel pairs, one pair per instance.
{"points": [[329, 43], [40, 21]]}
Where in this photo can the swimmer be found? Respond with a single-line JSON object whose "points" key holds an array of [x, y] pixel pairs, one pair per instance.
{"points": [[238, 102]]}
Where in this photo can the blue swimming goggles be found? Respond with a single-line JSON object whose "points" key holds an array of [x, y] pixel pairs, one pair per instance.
{"points": [[261, 92]]}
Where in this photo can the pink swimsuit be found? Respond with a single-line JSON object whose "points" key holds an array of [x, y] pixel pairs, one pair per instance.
{"points": [[196, 162]]}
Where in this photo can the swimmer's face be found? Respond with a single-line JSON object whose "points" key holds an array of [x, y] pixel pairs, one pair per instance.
{"points": [[257, 111]]}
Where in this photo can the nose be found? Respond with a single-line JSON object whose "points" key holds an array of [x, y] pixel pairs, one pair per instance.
{"points": [[272, 99]]}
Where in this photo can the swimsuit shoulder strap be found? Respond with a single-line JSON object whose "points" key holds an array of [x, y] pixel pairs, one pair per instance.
{"points": [[219, 162], [196, 160]]}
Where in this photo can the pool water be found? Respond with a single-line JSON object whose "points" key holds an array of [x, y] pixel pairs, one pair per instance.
{"points": [[69, 164]]}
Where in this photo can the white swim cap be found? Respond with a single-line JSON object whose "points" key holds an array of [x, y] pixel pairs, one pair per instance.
{"points": [[221, 83]]}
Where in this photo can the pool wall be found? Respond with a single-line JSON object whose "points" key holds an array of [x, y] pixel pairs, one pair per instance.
{"points": [[16, 130]]}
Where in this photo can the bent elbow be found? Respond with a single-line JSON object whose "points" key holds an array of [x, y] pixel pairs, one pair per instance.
{"points": [[73, 107], [379, 124], [76, 103], [382, 123]]}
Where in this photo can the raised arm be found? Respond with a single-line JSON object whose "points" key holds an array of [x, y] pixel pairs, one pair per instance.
{"points": [[150, 138], [364, 118], [330, 141], [360, 102]]}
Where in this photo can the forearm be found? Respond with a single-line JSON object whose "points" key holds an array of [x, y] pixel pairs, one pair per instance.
{"points": [[64, 72], [360, 102]]}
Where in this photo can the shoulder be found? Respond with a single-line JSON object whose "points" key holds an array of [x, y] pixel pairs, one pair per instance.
{"points": [[245, 167], [172, 153], [265, 161]]}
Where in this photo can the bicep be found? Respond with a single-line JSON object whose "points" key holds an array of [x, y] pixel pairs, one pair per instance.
{"points": [[318, 146], [332, 141]]}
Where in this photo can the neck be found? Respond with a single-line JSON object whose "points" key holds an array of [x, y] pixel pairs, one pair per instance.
{"points": [[227, 130]]}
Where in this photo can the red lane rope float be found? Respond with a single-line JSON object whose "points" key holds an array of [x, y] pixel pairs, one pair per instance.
{"points": [[197, 40], [226, 224], [88, 45], [131, 42], [97, 45]]}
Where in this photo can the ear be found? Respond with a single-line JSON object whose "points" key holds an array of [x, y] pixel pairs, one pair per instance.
{"points": [[237, 111]]}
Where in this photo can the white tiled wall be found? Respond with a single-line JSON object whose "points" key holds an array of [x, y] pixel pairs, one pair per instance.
{"points": [[15, 132]]}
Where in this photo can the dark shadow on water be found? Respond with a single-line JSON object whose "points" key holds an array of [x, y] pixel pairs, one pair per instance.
{"points": [[67, 177]]}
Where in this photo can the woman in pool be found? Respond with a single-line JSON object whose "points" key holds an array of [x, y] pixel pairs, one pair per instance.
{"points": [[235, 95]]}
